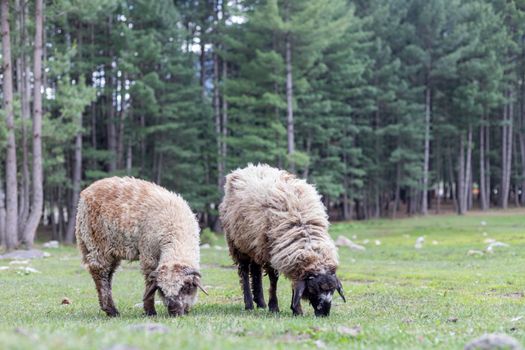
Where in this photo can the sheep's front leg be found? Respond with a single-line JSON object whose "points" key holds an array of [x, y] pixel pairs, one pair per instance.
{"points": [[102, 277], [244, 274], [297, 310], [257, 287], [273, 303], [149, 299]]}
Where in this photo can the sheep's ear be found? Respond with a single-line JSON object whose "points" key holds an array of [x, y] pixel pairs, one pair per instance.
{"points": [[298, 293], [340, 289]]}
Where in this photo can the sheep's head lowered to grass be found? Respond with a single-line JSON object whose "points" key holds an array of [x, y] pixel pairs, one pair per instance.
{"points": [[177, 286], [318, 289]]}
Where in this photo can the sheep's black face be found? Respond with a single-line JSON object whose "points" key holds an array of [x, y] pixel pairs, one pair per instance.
{"points": [[319, 290]]}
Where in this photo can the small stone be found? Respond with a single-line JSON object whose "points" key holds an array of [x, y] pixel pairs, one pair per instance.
{"points": [[205, 246], [19, 262], [419, 242], [494, 341], [342, 241], [474, 252], [141, 305], [23, 254], [150, 327], [452, 319], [51, 244], [352, 332], [122, 347], [320, 344]]}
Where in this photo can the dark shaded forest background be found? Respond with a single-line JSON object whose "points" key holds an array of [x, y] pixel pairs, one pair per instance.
{"points": [[390, 108]]}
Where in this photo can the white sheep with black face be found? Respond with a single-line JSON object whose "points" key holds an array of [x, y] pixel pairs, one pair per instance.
{"points": [[275, 221], [130, 219]]}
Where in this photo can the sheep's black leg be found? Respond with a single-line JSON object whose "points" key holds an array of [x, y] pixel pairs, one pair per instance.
{"points": [[102, 276], [149, 302], [257, 287], [244, 274], [298, 310], [273, 303]]}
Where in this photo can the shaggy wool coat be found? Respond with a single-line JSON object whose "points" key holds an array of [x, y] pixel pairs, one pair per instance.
{"points": [[132, 219], [277, 219]]}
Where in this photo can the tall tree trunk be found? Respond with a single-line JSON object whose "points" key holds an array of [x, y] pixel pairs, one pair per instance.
{"points": [[289, 97], [110, 81], [224, 121], [482, 176], [424, 203], [506, 147], [468, 170], [77, 178], [24, 92], [11, 167], [2, 214], [217, 115], [461, 176], [129, 158], [397, 194], [37, 185]]}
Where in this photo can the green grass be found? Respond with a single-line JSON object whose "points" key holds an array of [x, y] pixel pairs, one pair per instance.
{"points": [[400, 297]]}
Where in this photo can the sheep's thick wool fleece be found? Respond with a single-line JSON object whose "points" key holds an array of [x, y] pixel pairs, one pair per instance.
{"points": [[127, 218], [277, 219]]}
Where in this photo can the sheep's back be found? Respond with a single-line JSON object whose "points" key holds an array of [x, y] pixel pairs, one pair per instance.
{"points": [[123, 215], [267, 212]]}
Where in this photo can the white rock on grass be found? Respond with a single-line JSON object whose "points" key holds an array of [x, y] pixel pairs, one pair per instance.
{"points": [[141, 305], [150, 328], [205, 246], [474, 252], [29, 269], [19, 262], [494, 341], [342, 241], [23, 254], [491, 246], [419, 242], [51, 244]]}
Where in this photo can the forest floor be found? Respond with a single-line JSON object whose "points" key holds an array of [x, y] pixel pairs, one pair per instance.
{"points": [[438, 296]]}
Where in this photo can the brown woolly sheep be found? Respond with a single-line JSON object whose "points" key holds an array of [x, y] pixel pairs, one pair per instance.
{"points": [[275, 221], [130, 219]]}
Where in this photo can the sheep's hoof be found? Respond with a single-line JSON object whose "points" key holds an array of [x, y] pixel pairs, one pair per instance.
{"points": [[274, 308], [112, 313], [151, 313], [248, 307]]}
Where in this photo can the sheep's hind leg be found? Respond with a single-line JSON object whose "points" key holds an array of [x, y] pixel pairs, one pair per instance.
{"points": [[257, 287], [244, 274], [273, 303], [102, 275]]}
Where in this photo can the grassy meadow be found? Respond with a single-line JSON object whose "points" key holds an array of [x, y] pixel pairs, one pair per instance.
{"points": [[397, 296]]}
